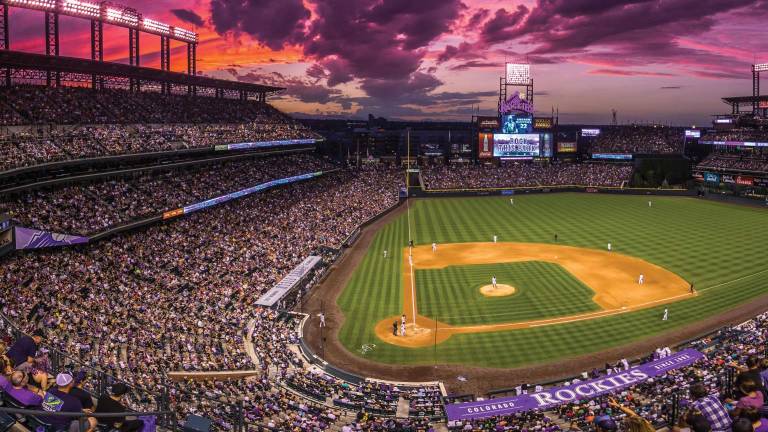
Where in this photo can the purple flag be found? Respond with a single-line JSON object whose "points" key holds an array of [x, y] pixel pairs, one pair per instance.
{"points": [[27, 238], [555, 396]]}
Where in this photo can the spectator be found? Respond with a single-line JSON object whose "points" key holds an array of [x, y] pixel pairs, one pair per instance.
{"points": [[25, 348], [711, 408], [20, 393], [112, 403], [59, 399]]}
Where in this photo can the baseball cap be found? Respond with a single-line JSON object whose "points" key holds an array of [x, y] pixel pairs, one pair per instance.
{"points": [[118, 389], [605, 422], [63, 379]]}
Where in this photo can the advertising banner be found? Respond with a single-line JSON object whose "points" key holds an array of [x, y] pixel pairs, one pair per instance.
{"points": [[485, 145], [488, 124], [566, 147], [590, 132], [727, 178], [612, 156], [542, 123], [515, 145], [516, 104], [745, 180], [761, 182], [27, 238], [711, 177], [260, 144], [555, 396], [693, 133]]}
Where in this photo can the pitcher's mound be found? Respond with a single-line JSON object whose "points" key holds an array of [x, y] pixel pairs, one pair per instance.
{"points": [[501, 290]]}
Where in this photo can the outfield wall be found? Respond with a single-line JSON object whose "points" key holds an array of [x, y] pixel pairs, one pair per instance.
{"points": [[418, 192]]}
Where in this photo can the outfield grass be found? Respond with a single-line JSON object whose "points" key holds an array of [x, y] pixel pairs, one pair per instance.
{"points": [[452, 295], [720, 247]]}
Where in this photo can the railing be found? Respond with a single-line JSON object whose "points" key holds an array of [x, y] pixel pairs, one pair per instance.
{"points": [[83, 425]]}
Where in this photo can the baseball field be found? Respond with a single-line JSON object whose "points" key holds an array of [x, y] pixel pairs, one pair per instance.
{"points": [[554, 298]]}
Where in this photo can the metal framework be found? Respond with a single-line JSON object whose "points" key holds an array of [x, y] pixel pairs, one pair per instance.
{"points": [[100, 13], [507, 81], [756, 69], [5, 42], [34, 68]]}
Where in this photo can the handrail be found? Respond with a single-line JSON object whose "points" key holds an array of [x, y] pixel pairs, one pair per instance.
{"points": [[25, 411]]}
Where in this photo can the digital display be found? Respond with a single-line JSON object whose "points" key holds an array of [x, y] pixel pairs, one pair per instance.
{"points": [[516, 145], [711, 177], [516, 124], [724, 121], [692, 133], [590, 132], [763, 104], [546, 145], [542, 123], [518, 73], [736, 143], [566, 147]]}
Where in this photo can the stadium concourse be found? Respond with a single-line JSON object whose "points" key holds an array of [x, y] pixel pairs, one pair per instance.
{"points": [[169, 310]]}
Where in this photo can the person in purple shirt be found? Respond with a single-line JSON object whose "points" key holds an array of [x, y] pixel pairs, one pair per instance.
{"points": [[59, 400], [20, 393], [25, 347], [759, 423]]}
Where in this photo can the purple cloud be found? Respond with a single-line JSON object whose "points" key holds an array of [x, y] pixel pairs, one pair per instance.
{"points": [[275, 23], [188, 16]]}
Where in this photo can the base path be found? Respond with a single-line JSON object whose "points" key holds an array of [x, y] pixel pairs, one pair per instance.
{"points": [[612, 276]]}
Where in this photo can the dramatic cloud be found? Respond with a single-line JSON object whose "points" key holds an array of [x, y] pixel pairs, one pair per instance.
{"points": [[624, 72], [275, 23], [189, 16]]}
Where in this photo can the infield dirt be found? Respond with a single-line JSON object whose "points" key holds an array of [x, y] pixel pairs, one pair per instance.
{"points": [[611, 275]]}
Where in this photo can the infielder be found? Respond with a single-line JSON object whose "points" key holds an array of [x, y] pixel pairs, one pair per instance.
{"points": [[640, 279], [666, 314], [494, 239], [402, 319], [322, 319], [402, 329], [493, 281], [434, 247], [609, 246]]}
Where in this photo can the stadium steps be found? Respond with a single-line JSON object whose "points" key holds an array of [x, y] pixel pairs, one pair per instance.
{"points": [[403, 408]]}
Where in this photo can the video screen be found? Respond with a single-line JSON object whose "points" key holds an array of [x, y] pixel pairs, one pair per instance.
{"points": [[516, 145], [590, 132], [516, 124]]}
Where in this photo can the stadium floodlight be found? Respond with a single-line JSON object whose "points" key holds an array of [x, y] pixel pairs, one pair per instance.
{"points": [[518, 74], [123, 16], [35, 4], [155, 26], [760, 67], [184, 34], [81, 8]]}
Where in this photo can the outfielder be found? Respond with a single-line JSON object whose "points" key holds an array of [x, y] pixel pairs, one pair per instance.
{"points": [[385, 253], [640, 279], [512, 201], [666, 314], [494, 238], [649, 204], [609, 246]]}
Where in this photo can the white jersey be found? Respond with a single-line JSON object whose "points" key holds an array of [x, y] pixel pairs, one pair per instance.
{"points": [[493, 281], [494, 239]]}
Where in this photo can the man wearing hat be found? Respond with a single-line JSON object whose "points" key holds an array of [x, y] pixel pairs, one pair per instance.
{"points": [[112, 403], [25, 347], [59, 400]]}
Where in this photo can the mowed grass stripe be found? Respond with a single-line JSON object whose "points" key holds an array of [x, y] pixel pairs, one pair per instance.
{"points": [[707, 242]]}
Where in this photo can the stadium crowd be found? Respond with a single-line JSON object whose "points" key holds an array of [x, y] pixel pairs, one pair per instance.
{"points": [[525, 175], [87, 208], [138, 313], [738, 135], [753, 161], [638, 139]]}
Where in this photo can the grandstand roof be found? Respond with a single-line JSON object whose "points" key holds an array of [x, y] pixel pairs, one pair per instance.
{"points": [[744, 99], [29, 61]]}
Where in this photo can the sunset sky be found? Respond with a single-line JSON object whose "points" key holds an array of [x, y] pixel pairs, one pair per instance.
{"points": [[651, 60]]}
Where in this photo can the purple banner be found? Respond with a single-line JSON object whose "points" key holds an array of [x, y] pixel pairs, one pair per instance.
{"points": [[555, 396], [27, 238]]}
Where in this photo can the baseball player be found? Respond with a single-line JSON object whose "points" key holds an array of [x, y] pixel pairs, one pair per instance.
{"points": [[512, 201], [609, 246], [402, 329], [402, 319], [494, 238], [640, 279], [434, 247], [322, 319], [666, 314], [385, 254], [650, 203], [493, 281]]}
